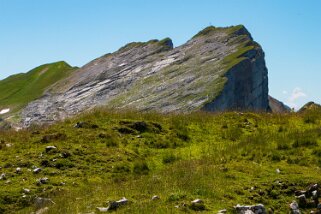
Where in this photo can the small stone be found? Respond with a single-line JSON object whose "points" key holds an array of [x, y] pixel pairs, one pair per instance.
{"points": [[26, 190], [18, 170], [278, 171], [37, 170], [155, 197], [197, 201], [122, 201], [222, 211], [43, 180]]}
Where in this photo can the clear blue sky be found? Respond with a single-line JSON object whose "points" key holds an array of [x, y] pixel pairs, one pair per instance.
{"points": [[34, 32]]}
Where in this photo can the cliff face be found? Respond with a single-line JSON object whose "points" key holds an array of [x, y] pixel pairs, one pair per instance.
{"points": [[218, 69]]}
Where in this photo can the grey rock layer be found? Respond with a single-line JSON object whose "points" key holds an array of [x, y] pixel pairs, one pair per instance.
{"points": [[219, 69]]}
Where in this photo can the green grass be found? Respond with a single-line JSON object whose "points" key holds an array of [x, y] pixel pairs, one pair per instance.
{"points": [[18, 90], [223, 159]]}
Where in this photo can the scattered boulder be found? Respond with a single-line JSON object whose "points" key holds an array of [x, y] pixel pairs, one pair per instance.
{"points": [[255, 209], [43, 180], [113, 205], [18, 170], [37, 170]]}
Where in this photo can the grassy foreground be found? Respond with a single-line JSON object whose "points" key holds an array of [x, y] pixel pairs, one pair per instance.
{"points": [[223, 159]]}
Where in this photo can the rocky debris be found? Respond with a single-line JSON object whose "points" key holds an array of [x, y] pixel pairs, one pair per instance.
{"points": [[308, 198], [42, 202], [294, 207], [50, 148], [155, 197], [155, 76], [255, 209]]}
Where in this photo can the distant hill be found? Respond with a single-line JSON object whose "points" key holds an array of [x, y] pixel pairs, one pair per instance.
{"points": [[18, 90], [310, 106]]}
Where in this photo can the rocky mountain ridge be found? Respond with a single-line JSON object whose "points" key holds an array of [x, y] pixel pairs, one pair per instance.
{"points": [[218, 69]]}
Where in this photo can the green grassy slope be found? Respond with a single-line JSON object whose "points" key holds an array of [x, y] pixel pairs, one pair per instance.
{"points": [[17, 90], [223, 159]]}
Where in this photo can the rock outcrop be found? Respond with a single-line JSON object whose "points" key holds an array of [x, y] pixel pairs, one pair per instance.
{"points": [[310, 106], [277, 106], [219, 69]]}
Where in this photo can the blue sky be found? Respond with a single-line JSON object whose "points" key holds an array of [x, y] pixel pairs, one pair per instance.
{"points": [[35, 32]]}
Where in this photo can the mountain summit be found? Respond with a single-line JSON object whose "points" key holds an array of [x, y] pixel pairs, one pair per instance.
{"points": [[218, 69]]}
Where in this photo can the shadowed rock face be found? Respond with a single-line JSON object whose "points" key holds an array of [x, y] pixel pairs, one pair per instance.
{"points": [[218, 69], [277, 106]]}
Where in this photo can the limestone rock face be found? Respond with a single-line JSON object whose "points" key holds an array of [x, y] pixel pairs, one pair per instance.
{"points": [[219, 69]]}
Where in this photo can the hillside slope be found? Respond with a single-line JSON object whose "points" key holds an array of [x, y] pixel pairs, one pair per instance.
{"points": [[218, 69], [222, 159], [18, 90]]}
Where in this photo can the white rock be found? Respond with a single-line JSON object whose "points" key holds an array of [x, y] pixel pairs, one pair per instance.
{"points": [[197, 201], [155, 197], [122, 201], [4, 111], [18, 170], [102, 209], [37, 170]]}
